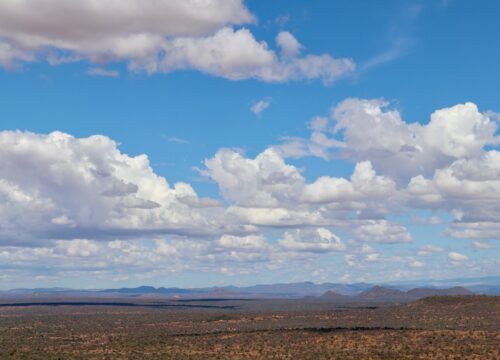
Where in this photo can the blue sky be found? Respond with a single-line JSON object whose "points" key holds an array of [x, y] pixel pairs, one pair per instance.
{"points": [[420, 56]]}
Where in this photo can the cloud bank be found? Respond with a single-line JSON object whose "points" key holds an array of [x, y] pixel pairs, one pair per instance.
{"points": [[156, 36], [83, 205]]}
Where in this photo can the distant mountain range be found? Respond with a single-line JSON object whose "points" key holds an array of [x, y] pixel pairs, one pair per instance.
{"points": [[357, 291], [381, 293]]}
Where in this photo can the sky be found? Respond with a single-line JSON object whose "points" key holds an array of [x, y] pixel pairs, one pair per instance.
{"points": [[198, 143]]}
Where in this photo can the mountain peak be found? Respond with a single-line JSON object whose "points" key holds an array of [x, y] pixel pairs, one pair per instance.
{"points": [[381, 292]]}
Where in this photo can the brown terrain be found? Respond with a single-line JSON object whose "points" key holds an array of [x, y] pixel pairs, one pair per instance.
{"points": [[442, 327]]}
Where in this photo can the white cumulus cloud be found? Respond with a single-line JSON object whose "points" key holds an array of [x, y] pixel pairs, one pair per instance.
{"points": [[59, 186], [361, 129]]}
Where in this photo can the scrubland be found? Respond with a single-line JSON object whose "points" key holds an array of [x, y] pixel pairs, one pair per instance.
{"points": [[465, 327]]}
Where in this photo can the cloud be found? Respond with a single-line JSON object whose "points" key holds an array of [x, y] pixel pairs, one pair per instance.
{"points": [[429, 250], [362, 129], [417, 264], [400, 37], [280, 217], [267, 182], [364, 184], [237, 55], [177, 140], [104, 31], [312, 67], [382, 231], [457, 257], [482, 245], [186, 17], [320, 240], [243, 243], [58, 186], [98, 71], [448, 164], [259, 107], [156, 36], [468, 189], [289, 45], [319, 143], [82, 205], [371, 131], [266, 191], [398, 48], [282, 20], [136, 258], [11, 57], [479, 230], [432, 220], [77, 248]]}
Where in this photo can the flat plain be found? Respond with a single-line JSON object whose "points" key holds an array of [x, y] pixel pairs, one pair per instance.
{"points": [[455, 327]]}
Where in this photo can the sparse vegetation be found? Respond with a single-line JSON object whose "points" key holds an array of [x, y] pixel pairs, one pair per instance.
{"points": [[438, 327]]}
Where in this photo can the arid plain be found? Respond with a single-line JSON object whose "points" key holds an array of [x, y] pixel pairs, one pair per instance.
{"points": [[448, 327]]}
